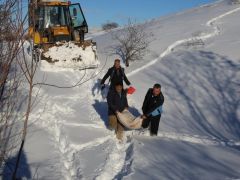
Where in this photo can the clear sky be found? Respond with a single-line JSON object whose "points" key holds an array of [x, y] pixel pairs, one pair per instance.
{"points": [[98, 12]]}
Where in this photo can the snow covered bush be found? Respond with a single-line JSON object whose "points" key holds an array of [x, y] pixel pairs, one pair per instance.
{"points": [[235, 1], [109, 25]]}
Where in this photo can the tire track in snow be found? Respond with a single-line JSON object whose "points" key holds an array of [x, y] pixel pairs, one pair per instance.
{"points": [[91, 144], [120, 155], [119, 160], [194, 139], [52, 123], [96, 126], [69, 150], [51, 118], [72, 166], [48, 118], [170, 49], [115, 155]]}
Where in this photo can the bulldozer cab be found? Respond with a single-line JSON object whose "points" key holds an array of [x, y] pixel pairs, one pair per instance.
{"points": [[52, 16], [79, 23], [59, 22], [77, 17]]}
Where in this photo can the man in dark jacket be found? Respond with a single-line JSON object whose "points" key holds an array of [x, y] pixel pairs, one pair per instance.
{"points": [[152, 107], [117, 102], [116, 74]]}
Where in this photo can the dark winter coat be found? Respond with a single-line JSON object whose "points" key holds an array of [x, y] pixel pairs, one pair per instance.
{"points": [[116, 76], [152, 102], [116, 102]]}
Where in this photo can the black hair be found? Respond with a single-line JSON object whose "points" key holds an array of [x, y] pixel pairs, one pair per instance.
{"points": [[157, 86], [118, 84]]}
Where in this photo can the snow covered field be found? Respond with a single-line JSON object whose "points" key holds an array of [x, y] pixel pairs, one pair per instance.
{"points": [[195, 57]]}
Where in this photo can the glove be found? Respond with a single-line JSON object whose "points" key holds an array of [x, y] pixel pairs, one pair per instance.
{"points": [[102, 86]]}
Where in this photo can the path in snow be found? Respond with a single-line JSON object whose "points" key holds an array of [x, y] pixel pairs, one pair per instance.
{"points": [[203, 36], [118, 156], [55, 118], [194, 139], [52, 117]]}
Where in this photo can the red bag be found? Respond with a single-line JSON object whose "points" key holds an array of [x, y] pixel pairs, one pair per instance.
{"points": [[131, 90]]}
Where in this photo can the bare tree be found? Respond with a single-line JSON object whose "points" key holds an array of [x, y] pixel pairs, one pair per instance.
{"points": [[9, 79], [132, 42], [15, 68], [28, 68]]}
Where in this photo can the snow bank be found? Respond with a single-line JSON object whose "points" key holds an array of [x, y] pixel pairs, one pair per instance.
{"points": [[70, 55]]}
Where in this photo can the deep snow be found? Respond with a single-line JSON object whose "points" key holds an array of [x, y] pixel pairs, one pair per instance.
{"points": [[70, 55], [195, 56]]}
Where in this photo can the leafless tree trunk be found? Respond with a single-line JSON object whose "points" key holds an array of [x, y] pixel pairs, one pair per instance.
{"points": [[9, 79], [29, 68], [133, 41], [15, 68]]}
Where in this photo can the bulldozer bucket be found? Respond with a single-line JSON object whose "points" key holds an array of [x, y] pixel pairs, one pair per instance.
{"points": [[76, 55]]}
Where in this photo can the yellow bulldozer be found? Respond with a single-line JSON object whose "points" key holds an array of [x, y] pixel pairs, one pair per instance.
{"points": [[58, 29]]}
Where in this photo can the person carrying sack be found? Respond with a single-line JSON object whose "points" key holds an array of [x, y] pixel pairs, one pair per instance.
{"points": [[117, 103], [152, 109]]}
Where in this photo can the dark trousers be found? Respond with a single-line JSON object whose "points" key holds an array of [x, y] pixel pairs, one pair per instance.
{"points": [[153, 122]]}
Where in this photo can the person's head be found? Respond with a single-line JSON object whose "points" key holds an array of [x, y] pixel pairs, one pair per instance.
{"points": [[119, 87], [74, 12], [156, 89], [53, 12], [117, 63]]}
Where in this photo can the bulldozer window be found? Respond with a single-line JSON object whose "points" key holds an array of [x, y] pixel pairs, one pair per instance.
{"points": [[77, 15], [54, 16]]}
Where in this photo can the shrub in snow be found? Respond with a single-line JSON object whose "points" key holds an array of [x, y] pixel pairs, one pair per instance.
{"points": [[235, 1], [109, 25], [132, 42]]}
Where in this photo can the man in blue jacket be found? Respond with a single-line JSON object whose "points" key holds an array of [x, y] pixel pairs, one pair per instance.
{"points": [[117, 102], [152, 109]]}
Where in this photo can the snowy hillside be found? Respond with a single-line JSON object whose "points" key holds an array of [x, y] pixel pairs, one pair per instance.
{"points": [[195, 56]]}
